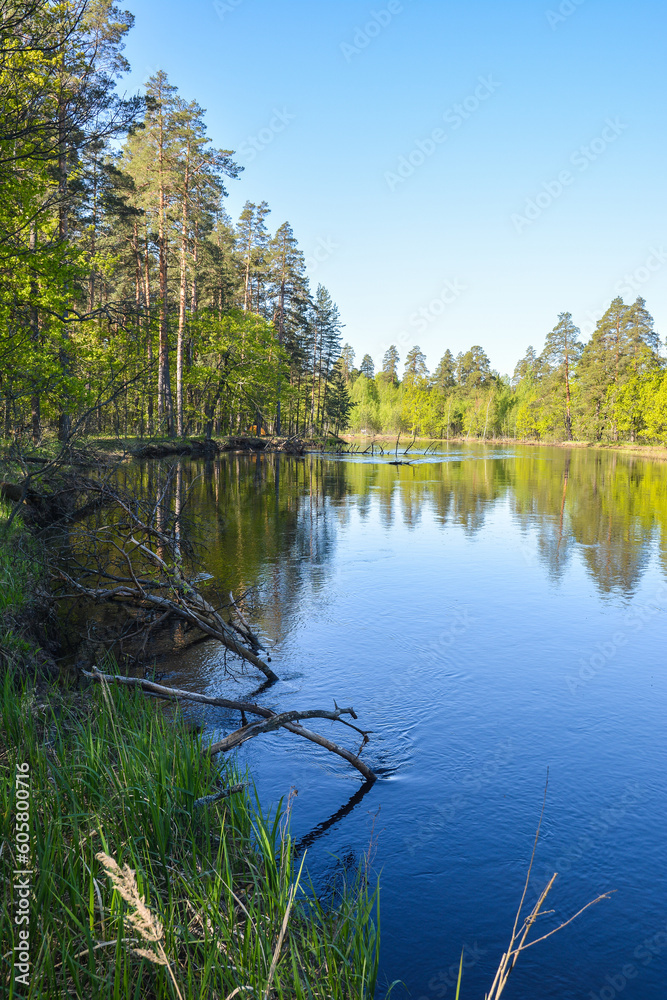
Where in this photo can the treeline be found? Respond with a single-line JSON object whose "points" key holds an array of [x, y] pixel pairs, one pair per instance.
{"points": [[130, 301], [613, 387]]}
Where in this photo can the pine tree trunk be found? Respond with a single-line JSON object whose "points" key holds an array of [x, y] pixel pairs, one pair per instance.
{"points": [[568, 419], [165, 407], [35, 402], [312, 405], [281, 334], [141, 392], [64, 420], [182, 301], [149, 335]]}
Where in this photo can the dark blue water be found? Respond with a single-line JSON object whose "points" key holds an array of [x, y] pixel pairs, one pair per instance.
{"points": [[489, 615]]}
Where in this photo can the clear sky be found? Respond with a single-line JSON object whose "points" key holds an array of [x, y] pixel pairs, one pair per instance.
{"points": [[456, 172]]}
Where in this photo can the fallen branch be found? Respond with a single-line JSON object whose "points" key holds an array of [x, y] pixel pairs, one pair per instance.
{"points": [[224, 793], [204, 617], [285, 720], [246, 631]]}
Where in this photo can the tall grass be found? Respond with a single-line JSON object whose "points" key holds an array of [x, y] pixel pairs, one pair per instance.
{"points": [[118, 779], [16, 566], [20, 569]]}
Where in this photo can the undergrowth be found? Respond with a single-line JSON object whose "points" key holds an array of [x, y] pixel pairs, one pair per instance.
{"points": [[20, 572], [114, 782]]}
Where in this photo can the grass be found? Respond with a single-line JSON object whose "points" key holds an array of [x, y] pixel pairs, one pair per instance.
{"points": [[17, 564], [19, 575], [113, 783]]}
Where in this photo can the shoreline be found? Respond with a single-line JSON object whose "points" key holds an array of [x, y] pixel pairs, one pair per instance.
{"points": [[140, 779], [142, 449], [654, 451]]}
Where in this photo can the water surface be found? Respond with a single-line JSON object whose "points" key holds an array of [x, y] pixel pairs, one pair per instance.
{"points": [[489, 613]]}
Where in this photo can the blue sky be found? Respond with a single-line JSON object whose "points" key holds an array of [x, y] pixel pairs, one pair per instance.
{"points": [[456, 173]]}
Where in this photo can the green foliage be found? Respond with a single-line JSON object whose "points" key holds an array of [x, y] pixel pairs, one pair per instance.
{"points": [[132, 304], [20, 574], [123, 779]]}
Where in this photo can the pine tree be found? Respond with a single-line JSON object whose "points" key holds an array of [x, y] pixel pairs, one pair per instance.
{"points": [[338, 403], [562, 350], [390, 364], [415, 367], [291, 295], [152, 158], [473, 368], [602, 367], [347, 358], [326, 337], [525, 368], [643, 337], [444, 377], [199, 190], [253, 246], [367, 367]]}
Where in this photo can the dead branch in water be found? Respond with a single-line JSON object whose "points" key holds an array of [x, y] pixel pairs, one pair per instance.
{"points": [[272, 720], [244, 629], [135, 560]]}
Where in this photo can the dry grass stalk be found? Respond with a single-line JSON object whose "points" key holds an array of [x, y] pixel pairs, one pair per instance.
{"points": [[144, 923], [519, 934]]}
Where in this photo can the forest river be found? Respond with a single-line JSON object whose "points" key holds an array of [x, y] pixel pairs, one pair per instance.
{"points": [[489, 613]]}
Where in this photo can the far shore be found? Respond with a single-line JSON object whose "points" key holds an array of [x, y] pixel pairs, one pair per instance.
{"points": [[653, 451]]}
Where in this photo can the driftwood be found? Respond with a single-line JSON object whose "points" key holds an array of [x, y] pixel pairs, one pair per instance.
{"points": [[138, 563], [272, 720], [245, 630], [190, 608], [224, 793]]}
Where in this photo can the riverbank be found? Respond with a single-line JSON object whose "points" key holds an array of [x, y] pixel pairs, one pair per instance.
{"points": [[108, 773], [104, 450], [27, 624], [216, 901]]}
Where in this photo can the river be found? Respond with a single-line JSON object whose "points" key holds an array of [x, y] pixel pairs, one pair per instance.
{"points": [[490, 613]]}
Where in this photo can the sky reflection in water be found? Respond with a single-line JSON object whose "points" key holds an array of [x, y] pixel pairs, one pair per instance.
{"points": [[489, 613]]}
